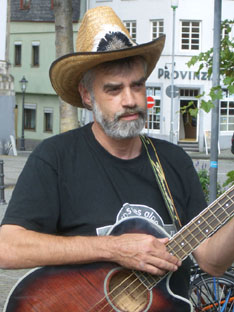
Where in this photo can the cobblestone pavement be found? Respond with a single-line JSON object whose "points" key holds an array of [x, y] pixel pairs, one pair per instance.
{"points": [[13, 166]]}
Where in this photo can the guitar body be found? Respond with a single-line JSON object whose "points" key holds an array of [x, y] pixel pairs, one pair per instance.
{"points": [[96, 287], [102, 287], [90, 288]]}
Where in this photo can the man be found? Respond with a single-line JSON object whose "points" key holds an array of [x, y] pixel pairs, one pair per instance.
{"points": [[80, 183]]}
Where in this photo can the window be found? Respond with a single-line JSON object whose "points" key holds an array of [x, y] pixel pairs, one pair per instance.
{"points": [[18, 53], [190, 35], [224, 33], [35, 54], [30, 116], [227, 30], [189, 92], [227, 112], [153, 114], [25, 4], [157, 28], [48, 119], [131, 27]]}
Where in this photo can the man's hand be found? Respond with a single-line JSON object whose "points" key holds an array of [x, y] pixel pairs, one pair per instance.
{"points": [[143, 252], [21, 248]]}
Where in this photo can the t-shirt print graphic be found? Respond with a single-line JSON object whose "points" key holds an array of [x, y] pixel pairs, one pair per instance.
{"points": [[129, 211]]}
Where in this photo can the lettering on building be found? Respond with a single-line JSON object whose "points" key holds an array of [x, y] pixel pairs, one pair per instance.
{"points": [[190, 75]]}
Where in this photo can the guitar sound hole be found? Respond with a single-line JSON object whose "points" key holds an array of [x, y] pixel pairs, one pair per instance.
{"points": [[126, 292]]}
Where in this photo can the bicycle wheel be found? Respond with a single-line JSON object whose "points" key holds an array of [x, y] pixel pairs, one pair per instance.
{"points": [[212, 294]]}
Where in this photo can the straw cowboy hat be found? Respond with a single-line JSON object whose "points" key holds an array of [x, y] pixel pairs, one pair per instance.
{"points": [[102, 37]]}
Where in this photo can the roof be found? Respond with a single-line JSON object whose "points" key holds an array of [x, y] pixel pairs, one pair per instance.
{"points": [[38, 11]]}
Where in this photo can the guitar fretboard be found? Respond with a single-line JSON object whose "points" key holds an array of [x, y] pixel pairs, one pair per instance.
{"points": [[204, 225], [195, 232]]}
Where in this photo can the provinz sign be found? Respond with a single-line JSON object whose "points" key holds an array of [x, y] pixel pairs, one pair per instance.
{"points": [[190, 75]]}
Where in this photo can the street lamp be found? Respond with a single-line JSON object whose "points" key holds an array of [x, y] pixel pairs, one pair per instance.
{"points": [[23, 83], [174, 6]]}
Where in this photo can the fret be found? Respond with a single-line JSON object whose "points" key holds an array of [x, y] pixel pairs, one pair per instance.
{"points": [[216, 218], [205, 226], [176, 248]]}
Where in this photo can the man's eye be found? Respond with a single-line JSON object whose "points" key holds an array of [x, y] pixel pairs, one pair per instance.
{"points": [[113, 90], [139, 85]]}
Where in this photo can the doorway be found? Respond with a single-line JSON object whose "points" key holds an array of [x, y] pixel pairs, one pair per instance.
{"points": [[188, 123]]}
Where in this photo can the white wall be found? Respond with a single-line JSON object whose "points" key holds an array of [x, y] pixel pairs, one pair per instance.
{"points": [[3, 19]]}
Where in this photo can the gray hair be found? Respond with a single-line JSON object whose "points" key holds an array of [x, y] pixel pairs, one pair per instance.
{"points": [[111, 66]]}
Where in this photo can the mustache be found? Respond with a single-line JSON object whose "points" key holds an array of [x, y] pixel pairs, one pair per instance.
{"points": [[131, 111]]}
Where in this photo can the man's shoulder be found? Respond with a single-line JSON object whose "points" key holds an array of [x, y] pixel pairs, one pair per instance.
{"points": [[169, 150], [165, 145], [63, 142]]}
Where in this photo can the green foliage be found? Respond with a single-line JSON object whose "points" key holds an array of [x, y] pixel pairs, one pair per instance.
{"points": [[205, 181], [191, 108], [230, 179], [204, 178], [205, 60]]}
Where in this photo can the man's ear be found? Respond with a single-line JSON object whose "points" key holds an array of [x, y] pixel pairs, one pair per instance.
{"points": [[86, 96]]}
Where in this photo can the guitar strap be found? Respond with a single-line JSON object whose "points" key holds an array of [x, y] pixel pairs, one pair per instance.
{"points": [[161, 180]]}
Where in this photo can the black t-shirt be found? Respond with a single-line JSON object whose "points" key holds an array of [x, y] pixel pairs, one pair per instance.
{"points": [[71, 185]]}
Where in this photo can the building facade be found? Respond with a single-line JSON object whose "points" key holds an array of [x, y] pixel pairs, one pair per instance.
{"points": [[193, 24], [32, 50], [7, 98]]}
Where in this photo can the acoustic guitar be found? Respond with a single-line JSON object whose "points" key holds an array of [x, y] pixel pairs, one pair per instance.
{"points": [[103, 287]]}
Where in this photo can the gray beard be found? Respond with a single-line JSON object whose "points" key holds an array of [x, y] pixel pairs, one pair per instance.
{"points": [[120, 129]]}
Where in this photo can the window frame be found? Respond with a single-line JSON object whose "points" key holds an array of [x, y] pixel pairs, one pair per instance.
{"points": [[28, 119], [152, 113], [25, 4], [131, 28], [17, 54], [226, 117], [35, 54], [46, 111], [190, 35], [158, 32]]}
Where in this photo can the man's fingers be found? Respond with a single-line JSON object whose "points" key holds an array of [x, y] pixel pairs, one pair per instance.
{"points": [[158, 266]]}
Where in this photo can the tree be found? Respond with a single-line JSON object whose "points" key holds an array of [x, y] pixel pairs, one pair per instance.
{"points": [[64, 45], [205, 60]]}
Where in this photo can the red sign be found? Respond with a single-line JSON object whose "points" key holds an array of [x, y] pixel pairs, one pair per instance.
{"points": [[150, 102]]}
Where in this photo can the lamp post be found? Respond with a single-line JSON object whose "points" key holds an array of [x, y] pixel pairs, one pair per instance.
{"points": [[174, 6], [23, 83]]}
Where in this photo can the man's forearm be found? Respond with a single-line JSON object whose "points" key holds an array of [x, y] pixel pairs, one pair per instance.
{"points": [[216, 254], [21, 248]]}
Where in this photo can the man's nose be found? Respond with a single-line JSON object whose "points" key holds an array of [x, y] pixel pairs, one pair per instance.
{"points": [[128, 98]]}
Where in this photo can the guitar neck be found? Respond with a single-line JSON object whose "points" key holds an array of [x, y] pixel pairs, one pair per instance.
{"points": [[204, 225]]}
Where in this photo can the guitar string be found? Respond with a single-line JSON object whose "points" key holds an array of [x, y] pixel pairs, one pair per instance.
{"points": [[203, 226], [137, 279], [212, 214], [192, 224], [116, 288], [153, 283], [196, 227], [121, 292]]}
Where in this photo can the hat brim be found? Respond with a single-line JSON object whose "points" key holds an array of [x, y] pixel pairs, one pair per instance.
{"points": [[67, 71]]}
